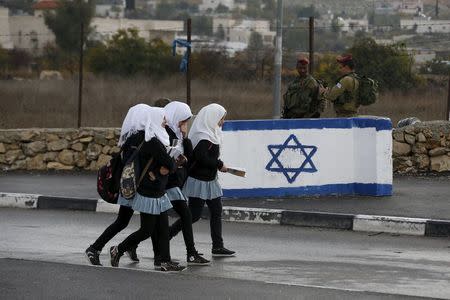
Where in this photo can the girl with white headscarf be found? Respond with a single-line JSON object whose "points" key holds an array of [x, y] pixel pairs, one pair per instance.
{"points": [[177, 116], [202, 185], [150, 199]]}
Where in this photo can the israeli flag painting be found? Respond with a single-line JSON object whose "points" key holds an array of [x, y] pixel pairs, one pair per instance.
{"points": [[301, 157]]}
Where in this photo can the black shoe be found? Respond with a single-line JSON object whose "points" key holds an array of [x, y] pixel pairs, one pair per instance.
{"points": [[132, 255], [157, 263], [222, 252], [115, 256], [171, 267], [93, 256], [196, 259]]}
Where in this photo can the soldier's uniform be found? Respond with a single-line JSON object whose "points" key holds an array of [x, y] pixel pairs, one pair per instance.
{"points": [[302, 99], [344, 94]]}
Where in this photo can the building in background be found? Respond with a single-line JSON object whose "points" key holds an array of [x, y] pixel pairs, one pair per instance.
{"points": [[422, 26], [240, 30]]}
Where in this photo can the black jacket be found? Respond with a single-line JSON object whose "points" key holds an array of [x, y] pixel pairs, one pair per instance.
{"points": [[206, 161], [178, 178], [150, 187]]}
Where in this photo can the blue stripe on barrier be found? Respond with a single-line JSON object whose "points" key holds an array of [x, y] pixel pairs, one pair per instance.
{"points": [[377, 123], [368, 189]]}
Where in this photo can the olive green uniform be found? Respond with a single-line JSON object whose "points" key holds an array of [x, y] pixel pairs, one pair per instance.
{"points": [[302, 99], [344, 96]]}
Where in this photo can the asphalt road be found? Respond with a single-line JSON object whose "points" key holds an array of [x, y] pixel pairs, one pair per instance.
{"points": [[41, 257]]}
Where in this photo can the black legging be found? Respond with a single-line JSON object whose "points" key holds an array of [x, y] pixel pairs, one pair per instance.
{"points": [[185, 221], [149, 225], [121, 222], [215, 221]]}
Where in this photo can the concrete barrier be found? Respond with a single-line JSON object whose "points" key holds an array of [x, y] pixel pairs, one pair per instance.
{"points": [[308, 157]]}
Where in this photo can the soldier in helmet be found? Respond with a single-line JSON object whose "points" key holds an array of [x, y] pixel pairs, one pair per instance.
{"points": [[302, 98], [344, 94]]}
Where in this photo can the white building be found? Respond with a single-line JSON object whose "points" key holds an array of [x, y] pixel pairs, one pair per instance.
{"points": [[107, 10], [409, 7], [240, 30], [148, 29], [351, 26], [213, 4], [426, 25], [5, 37]]}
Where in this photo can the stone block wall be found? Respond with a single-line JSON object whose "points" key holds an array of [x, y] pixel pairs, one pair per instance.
{"points": [[57, 149], [422, 147]]}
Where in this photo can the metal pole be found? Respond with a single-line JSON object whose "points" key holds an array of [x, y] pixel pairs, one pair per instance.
{"points": [[80, 74], [311, 45], [188, 71], [448, 101], [278, 61]]}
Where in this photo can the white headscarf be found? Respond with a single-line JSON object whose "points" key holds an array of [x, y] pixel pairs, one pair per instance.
{"points": [[175, 113], [135, 120], [154, 128], [205, 126]]}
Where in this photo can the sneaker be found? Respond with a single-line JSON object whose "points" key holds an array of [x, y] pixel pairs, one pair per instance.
{"points": [[222, 252], [157, 263], [197, 259], [132, 255], [115, 256], [93, 256], [171, 267]]}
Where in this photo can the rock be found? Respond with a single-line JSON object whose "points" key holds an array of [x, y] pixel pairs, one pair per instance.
{"points": [[31, 149], [80, 159], [85, 133], [106, 149], [86, 139], [50, 156], [400, 149], [93, 166], [27, 135], [102, 160], [93, 151], [398, 135], [440, 163], [114, 150], [12, 147], [112, 143], [422, 161], [109, 134], [410, 129], [58, 145], [410, 139], [100, 139], [66, 157], [7, 137], [13, 155], [420, 137], [437, 151], [2, 158], [419, 148], [2, 148], [36, 163], [19, 165], [77, 147], [50, 137], [58, 166]]}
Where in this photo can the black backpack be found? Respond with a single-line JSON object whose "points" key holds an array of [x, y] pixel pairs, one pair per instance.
{"points": [[108, 179]]}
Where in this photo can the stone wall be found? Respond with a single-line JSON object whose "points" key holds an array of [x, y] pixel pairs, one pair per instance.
{"points": [[57, 149], [422, 147]]}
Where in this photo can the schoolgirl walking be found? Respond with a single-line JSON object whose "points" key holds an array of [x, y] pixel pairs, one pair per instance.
{"points": [[202, 185]]}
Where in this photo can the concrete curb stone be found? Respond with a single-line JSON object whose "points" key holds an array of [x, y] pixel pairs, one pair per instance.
{"points": [[366, 223]]}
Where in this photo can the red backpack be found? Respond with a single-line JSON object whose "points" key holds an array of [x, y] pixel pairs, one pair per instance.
{"points": [[108, 179]]}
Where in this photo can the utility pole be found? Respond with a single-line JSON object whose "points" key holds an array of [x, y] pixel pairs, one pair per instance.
{"points": [[188, 70], [80, 67], [311, 45], [278, 62], [448, 101], [437, 8]]}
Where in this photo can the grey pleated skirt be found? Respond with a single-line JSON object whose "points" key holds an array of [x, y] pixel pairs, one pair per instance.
{"points": [[205, 190], [175, 194], [152, 206], [125, 202]]}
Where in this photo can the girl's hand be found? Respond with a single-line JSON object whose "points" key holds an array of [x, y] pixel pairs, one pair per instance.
{"points": [[164, 171], [224, 169]]}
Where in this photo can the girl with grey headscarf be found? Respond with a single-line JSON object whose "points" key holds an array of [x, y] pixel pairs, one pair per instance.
{"points": [[202, 185]]}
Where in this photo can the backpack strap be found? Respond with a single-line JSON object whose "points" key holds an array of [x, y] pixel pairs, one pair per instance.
{"points": [[145, 171]]}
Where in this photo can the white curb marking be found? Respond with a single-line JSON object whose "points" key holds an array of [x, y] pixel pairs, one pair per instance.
{"points": [[14, 200], [409, 226]]}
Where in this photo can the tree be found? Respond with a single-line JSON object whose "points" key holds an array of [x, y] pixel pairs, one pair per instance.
{"points": [[390, 65], [220, 34], [202, 25], [253, 8], [165, 10], [65, 23], [222, 9], [308, 11], [19, 5]]}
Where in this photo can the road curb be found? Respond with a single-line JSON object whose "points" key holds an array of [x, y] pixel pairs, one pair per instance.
{"points": [[358, 222]]}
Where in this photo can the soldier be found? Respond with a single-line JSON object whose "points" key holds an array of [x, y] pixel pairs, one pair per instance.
{"points": [[344, 94], [302, 98]]}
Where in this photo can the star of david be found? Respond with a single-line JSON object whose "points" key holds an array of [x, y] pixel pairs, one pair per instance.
{"points": [[305, 152]]}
